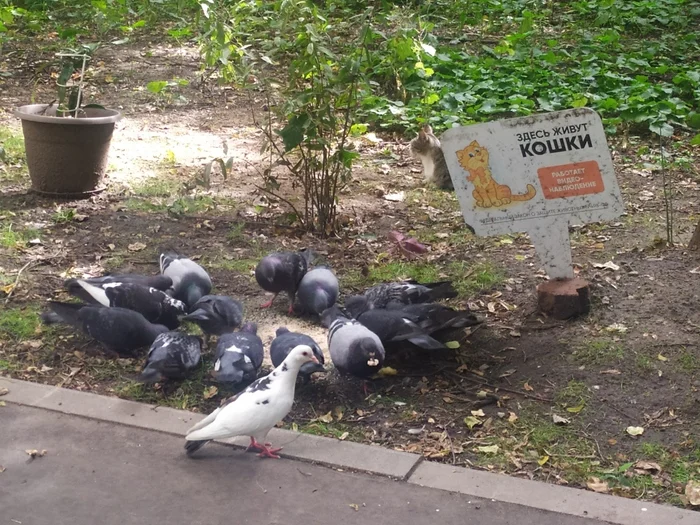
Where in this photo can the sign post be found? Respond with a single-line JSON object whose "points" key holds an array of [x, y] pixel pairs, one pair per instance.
{"points": [[537, 174]]}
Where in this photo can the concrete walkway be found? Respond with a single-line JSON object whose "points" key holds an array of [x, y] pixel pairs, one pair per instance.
{"points": [[99, 471]]}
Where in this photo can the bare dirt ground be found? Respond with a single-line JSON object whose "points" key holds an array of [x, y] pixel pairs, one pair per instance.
{"points": [[634, 361]]}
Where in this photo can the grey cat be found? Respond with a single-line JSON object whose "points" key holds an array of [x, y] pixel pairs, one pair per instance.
{"points": [[426, 147]]}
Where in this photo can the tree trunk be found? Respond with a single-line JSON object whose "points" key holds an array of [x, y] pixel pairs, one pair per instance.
{"points": [[694, 243]]}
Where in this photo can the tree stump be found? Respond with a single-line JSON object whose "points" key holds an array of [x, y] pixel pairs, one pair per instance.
{"points": [[564, 298]]}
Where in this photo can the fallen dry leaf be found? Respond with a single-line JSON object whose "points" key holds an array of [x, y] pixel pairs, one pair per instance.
{"points": [[395, 197], [612, 372], [512, 418], [2, 469], [635, 431], [2, 404], [136, 247], [210, 392], [598, 486], [608, 266], [618, 328], [354, 506], [478, 413], [527, 387], [343, 436], [662, 358], [692, 492], [542, 460], [558, 420], [647, 467], [4, 391], [472, 421], [35, 453], [576, 409], [326, 418], [387, 371], [491, 449]]}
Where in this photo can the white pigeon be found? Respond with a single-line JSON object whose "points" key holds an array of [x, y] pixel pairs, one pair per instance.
{"points": [[254, 411]]}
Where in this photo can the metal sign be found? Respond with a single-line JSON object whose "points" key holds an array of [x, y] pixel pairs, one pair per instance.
{"points": [[535, 174]]}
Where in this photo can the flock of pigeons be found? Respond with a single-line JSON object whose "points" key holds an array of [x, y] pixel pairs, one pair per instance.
{"points": [[129, 312]]}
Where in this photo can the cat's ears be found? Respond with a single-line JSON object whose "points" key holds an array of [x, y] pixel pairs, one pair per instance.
{"points": [[474, 144], [427, 129]]}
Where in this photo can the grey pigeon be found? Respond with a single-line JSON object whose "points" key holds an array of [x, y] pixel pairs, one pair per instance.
{"points": [[318, 290], [395, 326], [282, 272], [121, 330], [254, 411], [216, 314], [190, 280], [409, 292], [239, 356], [354, 348], [430, 317], [156, 306], [285, 341], [434, 317], [173, 355], [159, 282]]}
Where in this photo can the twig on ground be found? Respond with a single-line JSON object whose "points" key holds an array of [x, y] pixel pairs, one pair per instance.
{"points": [[14, 285]]}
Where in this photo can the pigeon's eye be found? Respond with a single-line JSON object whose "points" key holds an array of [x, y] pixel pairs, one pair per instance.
{"points": [[305, 354]]}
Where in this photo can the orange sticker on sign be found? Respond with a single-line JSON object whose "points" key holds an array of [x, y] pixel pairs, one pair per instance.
{"points": [[570, 180]]}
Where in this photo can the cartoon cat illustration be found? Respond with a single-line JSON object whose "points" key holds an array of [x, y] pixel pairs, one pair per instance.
{"points": [[487, 192]]}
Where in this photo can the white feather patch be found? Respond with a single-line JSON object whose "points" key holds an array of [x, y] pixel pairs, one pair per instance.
{"points": [[96, 292]]}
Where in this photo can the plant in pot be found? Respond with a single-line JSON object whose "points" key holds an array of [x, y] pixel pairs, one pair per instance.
{"points": [[66, 143]]}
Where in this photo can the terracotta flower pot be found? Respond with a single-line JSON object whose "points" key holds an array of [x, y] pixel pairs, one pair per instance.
{"points": [[67, 157]]}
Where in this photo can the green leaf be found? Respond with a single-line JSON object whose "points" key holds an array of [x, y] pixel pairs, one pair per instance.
{"points": [[695, 141], [358, 129], [624, 467], [579, 102], [693, 120], [293, 133], [664, 129], [156, 86], [452, 344]]}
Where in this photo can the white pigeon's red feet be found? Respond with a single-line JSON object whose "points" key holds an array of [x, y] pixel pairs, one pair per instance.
{"points": [[254, 445], [291, 309], [268, 452]]}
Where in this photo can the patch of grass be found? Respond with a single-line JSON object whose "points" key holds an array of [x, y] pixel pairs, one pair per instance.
{"points": [[144, 205], [19, 323], [13, 237], [470, 279], [575, 393], [399, 270], [11, 146], [688, 361], [236, 232], [644, 363], [63, 215], [196, 204], [156, 187], [434, 197], [598, 351], [239, 265], [6, 365], [651, 451]]}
